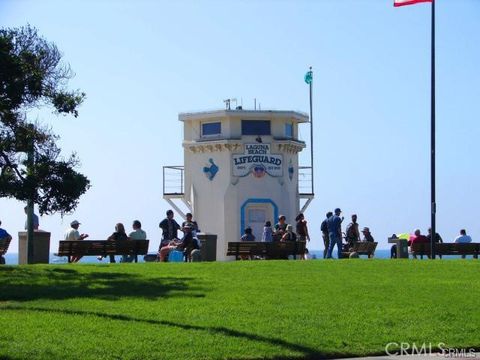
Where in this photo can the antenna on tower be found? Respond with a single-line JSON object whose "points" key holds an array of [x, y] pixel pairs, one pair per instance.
{"points": [[227, 104]]}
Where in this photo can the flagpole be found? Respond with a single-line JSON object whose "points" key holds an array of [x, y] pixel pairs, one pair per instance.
{"points": [[311, 131], [433, 204]]}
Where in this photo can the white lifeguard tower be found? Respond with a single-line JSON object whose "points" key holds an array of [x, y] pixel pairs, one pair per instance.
{"points": [[241, 168]]}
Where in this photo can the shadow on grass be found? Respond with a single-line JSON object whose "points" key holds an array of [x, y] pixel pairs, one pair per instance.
{"points": [[306, 352], [26, 284]]}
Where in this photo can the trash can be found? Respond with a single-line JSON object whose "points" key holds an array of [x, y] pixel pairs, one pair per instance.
{"points": [[402, 247], [41, 247], [208, 246]]}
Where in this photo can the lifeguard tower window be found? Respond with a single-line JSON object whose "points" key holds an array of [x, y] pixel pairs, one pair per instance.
{"points": [[211, 128], [256, 127], [289, 130]]}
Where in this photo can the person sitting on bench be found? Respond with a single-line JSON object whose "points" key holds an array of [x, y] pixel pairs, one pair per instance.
{"points": [[367, 235], [289, 235], [463, 238], [73, 234], [118, 235], [185, 243]]}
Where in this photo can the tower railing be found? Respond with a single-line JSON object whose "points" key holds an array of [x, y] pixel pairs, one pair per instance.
{"points": [[173, 179], [305, 183]]}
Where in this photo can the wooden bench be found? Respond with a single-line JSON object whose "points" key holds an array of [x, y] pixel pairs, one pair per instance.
{"points": [[268, 250], [4, 244], [424, 249], [361, 248], [102, 248]]}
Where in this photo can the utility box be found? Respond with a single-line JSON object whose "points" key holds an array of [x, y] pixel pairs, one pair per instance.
{"points": [[208, 247], [402, 247], [41, 247]]}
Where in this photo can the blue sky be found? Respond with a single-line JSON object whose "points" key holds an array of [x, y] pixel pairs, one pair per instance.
{"points": [[143, 62]]}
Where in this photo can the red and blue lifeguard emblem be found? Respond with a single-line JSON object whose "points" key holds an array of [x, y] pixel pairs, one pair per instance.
{"points": [[258, 171]]}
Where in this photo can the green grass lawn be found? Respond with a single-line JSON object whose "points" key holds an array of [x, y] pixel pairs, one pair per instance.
{"points": [[236, 310]]}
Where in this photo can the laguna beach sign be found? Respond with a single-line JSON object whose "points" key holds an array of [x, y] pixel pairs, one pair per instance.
{"points": [[258, 160]]}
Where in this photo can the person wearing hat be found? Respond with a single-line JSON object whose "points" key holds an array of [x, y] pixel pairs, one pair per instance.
{"points": [[72, 234], [334, 225], [367, 236]]}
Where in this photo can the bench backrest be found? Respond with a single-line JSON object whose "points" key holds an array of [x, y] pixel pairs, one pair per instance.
{"points": [[4, 244], [446, 248], [365, 247], [276, 249], [103, 247], [246, 248]]}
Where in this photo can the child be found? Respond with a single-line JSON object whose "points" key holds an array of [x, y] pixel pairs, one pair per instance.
{"points": [[267, 235]]}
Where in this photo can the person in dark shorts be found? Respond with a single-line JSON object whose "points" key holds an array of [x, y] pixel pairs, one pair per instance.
{"points": [[324, 229]]}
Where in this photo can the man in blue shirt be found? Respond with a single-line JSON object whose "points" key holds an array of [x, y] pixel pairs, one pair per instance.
{"points": [[4, 235], [334, 225]]}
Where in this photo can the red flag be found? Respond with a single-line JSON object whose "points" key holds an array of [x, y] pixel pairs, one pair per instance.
{"points": [[408, 2]]}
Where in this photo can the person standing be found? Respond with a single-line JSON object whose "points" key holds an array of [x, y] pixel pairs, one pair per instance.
{"points": [[136, 234], [72, 234], [301, 228], [324, 229], [302, 231], [352, 232], [463, 238], [169, 229], [334, 225], [267, 235]]}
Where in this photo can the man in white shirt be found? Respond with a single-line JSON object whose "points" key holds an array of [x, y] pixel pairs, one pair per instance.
{"points": [[463, 238], [72, 234], [136, 234]]}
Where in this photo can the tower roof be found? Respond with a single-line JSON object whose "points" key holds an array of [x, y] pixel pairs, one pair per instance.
{"points": [[248, 114]]}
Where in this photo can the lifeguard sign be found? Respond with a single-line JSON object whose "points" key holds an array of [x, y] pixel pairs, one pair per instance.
{"points": [[258, 160], [241, 169]]}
